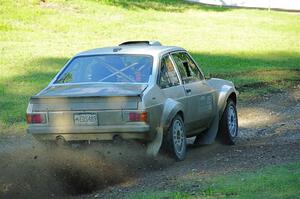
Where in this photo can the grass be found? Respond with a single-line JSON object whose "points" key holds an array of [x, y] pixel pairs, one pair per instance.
{"points": [[271, 182], [256, 49]]}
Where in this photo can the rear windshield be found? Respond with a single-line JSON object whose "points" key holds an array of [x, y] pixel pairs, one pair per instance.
{"points": [[108, 68]]}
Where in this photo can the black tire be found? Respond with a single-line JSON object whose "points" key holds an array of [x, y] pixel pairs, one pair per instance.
{"points": [[228, 127], [175, 139]]}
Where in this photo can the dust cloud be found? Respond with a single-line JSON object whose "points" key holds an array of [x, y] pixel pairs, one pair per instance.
{"points": [[41, 171]]}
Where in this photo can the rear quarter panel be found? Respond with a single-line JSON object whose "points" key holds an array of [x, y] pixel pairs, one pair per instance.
{"points": [[161, 110]]}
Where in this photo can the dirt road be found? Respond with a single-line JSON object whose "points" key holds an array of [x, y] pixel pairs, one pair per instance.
{"points": [[269, 135]]}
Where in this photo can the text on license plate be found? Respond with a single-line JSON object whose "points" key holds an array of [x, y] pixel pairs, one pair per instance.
{"points": [[85, 119]]}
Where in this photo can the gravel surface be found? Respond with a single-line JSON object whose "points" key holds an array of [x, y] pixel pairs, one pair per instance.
{"points": [[269, 134]]}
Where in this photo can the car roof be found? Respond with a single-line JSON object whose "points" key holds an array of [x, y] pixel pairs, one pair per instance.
{"points": [[132, 49]]}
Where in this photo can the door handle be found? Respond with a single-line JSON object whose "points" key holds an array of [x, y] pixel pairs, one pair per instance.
{"points": [[188, 90]]}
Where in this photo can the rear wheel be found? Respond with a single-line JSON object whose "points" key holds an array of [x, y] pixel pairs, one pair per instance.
{"points": [[175, 139], [228, 128]]}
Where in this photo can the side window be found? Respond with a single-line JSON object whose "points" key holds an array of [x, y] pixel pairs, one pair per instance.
{"points": [[187, 68], [168, 76]]}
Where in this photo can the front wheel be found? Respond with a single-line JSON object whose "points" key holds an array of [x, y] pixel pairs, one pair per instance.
{"points": [[175, 139], [228, 128]]}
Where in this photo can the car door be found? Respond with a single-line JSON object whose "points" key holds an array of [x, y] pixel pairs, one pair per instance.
{"points": [[168, 80], [199, 96]]}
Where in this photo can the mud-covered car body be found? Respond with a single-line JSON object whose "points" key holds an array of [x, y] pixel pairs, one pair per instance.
{"points": [[135, 107]]}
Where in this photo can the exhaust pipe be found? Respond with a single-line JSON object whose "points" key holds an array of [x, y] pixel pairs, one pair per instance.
{"points": [[60, 140], [117, 138]]}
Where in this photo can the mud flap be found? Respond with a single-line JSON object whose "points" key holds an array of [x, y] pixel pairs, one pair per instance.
{"points": [[154, 146], [211, 134]]}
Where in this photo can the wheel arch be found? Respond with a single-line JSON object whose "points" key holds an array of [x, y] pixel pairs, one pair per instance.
{"points": [[227, 92], [180, 113], [170, 110], [233, 97]]}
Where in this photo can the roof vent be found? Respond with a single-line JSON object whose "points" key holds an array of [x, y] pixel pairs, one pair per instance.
{"points": [[140, 43]]}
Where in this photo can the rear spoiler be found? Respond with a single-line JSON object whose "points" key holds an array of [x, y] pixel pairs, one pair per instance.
{"points": [[148, 43], [86, 96]]}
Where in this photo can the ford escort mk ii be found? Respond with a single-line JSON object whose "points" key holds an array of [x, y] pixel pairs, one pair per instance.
{"points": [[138, 90]]}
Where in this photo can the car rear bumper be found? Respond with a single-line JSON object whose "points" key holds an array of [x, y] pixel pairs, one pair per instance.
{"points": [[107, 132]]}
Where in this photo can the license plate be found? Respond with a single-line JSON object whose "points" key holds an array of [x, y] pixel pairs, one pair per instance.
{"points": [[83, 119]]}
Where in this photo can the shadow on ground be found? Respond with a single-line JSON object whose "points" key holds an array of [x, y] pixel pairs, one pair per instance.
{"points": [[164, 5], [13, 104], [266, 72]]}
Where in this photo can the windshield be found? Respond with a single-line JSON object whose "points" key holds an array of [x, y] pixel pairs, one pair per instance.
{"points": [[108, 68]]}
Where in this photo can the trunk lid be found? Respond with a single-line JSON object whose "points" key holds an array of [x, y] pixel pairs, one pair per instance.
{"points": [[83, 97]]}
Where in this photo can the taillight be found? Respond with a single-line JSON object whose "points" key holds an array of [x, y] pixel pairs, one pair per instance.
{"points": [[137, 116], [36, 118]]}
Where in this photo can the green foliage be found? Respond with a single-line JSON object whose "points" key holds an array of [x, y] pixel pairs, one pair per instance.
{"points": [[254, 48], [271, 182]]}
